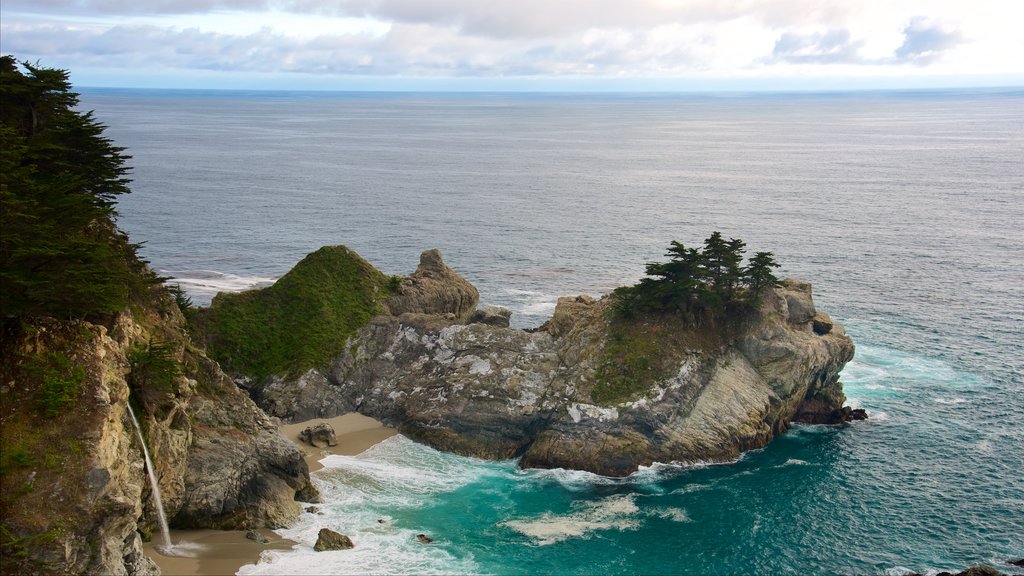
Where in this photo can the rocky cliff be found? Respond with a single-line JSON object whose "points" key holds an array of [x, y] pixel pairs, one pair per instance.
{"points": [[75, 496], [582, 391]]}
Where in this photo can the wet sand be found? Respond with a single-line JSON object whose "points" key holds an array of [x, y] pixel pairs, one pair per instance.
{"points": [[221, 552]]}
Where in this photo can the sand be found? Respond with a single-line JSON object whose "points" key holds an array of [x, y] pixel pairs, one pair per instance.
{"points": [[355, 434], [220, 552]]}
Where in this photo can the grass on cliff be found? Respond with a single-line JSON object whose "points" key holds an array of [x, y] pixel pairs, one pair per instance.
{"points": [[647, 348], [300, 322]]}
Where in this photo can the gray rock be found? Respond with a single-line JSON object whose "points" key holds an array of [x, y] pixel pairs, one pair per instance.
{"points": [[328, 539], [320, 435], [424, 539], [492, 316], [256, 537], [496, 392]]}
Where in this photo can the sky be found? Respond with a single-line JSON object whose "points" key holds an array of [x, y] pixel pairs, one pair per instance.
{"points": [[538, 45]]}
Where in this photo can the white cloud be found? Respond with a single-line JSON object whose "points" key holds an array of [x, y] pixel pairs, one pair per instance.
{"points": [[509, 38]]}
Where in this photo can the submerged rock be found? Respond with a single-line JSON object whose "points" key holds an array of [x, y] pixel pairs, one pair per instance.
{"points": [[256, 537], [424, 539], [328, 539], [581, 391]]}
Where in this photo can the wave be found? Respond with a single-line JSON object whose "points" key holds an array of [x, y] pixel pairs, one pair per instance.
{"points": [[205, 284], [360, 494]]}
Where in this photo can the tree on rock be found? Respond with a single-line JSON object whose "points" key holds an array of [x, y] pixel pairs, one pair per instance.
{"points": [[700, 282]]}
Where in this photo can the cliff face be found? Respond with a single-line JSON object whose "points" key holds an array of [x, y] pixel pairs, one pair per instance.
{"points": [[75, 496], [584, 392]]}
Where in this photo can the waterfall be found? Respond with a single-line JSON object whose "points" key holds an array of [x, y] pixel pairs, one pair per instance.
{"points": [[164, 530]]}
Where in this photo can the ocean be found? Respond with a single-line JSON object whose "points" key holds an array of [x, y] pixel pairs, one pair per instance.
{"points": [[904, 209]]}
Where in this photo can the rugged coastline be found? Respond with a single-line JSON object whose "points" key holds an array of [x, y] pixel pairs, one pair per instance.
{"points": [[459, 379]]}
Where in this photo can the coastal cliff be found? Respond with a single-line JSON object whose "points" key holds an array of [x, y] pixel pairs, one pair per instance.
{"points": [[585, 390], [75, 495]]}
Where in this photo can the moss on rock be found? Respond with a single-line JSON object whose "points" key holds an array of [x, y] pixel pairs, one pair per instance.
{"points": [[300, 322]]}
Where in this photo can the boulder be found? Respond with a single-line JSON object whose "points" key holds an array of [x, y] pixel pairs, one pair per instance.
{"points": [[256, 537], [320, 435], [822, 323], [1019, 562], [424, 539], [328, 539], [492, 316]]}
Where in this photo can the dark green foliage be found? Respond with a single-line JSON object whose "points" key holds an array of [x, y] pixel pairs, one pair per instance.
{"points": [[60, 253], [60, 379], [701, 283], [300, 322], [154, 369], [183, 300]]}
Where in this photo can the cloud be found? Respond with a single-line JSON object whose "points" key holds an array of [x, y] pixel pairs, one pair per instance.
{"points": [[492, 18], [831, 47], [457, 38], [925, 42]]}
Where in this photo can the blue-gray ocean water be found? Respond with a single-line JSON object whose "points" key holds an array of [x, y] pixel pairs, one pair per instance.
{"points": [[905, 210]]}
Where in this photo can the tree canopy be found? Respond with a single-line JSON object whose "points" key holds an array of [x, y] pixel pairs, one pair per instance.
{"points": [[60, 252], [704, 281]]}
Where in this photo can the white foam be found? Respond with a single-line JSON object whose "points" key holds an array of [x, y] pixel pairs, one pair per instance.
{"points": [[952, 400], [204, 284], [795, 462], [617, 512], [357, 492], [670, 513]]}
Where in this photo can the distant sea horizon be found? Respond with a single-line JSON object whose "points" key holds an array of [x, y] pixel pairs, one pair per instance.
{"points": [[902, 208]]}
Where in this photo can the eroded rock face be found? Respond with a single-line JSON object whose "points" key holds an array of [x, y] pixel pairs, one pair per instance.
{"points": [[219, 459], [496, 392]]}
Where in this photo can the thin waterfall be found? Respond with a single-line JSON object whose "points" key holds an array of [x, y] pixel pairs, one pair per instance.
{"points": [[164, 530]]}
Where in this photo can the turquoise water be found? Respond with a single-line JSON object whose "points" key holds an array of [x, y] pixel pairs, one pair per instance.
{"points": [[903, 210]]}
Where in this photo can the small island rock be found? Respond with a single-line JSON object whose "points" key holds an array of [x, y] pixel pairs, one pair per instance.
{"points": [[423, 538], [328, 539], [256, 537]]}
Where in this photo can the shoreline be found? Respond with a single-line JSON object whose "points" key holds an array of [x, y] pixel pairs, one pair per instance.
{"points": [[219, 552]]}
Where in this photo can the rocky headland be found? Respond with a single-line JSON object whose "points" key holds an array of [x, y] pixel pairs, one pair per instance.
{"points": [[582, 391]]}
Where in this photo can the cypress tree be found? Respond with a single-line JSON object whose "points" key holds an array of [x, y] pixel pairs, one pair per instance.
{"points": [[60, 252]]}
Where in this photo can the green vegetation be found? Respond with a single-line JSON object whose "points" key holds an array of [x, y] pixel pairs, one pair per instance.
{"points": [[701, 283], [60, 379], [629, 365], [60, 253], [154, 370], [300, 322]]}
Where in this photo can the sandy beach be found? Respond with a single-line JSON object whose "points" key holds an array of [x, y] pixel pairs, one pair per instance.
{"points": [[221, 552]]}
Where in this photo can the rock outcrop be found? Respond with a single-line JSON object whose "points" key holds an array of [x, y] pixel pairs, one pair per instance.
{"points": [[434, 288], [580, 392], [328, 539]]}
